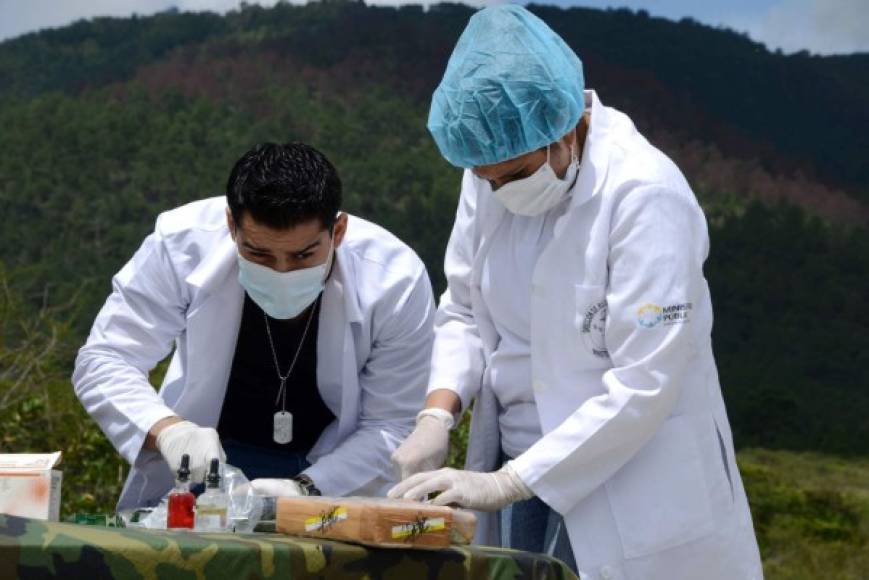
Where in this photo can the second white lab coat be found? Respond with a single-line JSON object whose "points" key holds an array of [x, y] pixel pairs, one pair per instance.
{"points": [[181, 288], [636, 452]]}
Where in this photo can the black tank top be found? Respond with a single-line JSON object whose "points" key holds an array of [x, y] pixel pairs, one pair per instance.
{"points": [[249, 406]]}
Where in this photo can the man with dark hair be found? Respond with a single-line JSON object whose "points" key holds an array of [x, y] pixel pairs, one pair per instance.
{"points": [[302, 338]]}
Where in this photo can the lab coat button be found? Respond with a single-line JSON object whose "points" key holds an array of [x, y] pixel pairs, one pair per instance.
{"points": [[606, 573], [537, 385]]}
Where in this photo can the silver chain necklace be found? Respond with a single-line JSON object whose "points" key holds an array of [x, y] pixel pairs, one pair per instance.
{"points": [[283, 420]]}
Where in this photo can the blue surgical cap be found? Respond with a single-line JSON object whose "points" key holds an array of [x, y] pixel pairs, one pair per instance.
{"points": [[511, 86]]}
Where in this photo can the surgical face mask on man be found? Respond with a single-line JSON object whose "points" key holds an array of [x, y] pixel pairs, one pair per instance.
{"points": [[284, 295], [541, 191]]}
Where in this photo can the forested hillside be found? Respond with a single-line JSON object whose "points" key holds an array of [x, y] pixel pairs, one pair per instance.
{"points": [[106, 123]]}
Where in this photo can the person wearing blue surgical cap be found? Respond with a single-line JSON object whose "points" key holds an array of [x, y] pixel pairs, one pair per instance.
{"points": [[578, 321]]}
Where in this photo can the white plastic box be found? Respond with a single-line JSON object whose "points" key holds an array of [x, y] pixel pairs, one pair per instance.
{"points": [[29, 486]]}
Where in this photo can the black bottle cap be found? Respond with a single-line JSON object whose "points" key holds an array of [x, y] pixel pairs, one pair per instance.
{"points": [[184, 470], [213, 478]]}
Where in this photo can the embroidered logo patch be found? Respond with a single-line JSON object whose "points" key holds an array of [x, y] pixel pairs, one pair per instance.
{"points": [[593, 325]]}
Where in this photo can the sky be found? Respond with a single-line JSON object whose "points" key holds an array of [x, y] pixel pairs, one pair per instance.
{"points": [[818, 26]]}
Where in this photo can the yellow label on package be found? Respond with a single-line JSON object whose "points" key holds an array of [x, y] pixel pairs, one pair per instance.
{"points": [[417, 528], [326, 519]]}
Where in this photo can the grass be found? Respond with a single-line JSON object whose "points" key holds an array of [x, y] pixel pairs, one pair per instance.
{"points": [[810, 510], [811, 513]]}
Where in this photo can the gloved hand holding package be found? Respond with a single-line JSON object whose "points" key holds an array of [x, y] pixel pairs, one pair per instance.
{"points": [[469, 489]]}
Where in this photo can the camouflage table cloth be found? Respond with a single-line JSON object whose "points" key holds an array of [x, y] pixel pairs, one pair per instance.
{"points": [[37, 549]]}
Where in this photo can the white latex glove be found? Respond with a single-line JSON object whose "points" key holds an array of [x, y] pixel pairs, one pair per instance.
{"points": [[201, 443], [427, 446], [277, 487], [469, 489]]}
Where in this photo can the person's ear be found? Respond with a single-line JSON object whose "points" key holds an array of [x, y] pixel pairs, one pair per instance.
{"points": [[564, 157], [569, 140], [340, 228], [230, 223]]}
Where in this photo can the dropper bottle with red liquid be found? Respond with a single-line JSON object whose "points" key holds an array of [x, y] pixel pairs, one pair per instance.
{"points": [[181, 501]]}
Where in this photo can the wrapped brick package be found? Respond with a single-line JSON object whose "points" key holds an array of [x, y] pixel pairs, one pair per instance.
{"points": [[375, 521]]}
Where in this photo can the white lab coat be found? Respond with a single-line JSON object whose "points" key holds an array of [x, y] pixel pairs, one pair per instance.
{"points": [[512, 255], [636, 453], [181, 287]]}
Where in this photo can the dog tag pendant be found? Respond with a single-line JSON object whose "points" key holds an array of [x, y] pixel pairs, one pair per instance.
{"points": [[283, 427]]}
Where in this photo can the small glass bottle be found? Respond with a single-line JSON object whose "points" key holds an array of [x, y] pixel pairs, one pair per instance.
{"points": [[180, 509], [212, 506]]}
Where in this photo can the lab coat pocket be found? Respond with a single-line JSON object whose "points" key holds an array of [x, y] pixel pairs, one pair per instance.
{"points": [[660, 498], [590, 321]]}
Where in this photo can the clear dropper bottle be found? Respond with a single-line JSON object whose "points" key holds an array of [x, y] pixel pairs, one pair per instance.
{"points": [[212, 506]]}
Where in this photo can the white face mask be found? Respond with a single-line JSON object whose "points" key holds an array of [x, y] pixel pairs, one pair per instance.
{"points": [[539, 192], [283, 295]]}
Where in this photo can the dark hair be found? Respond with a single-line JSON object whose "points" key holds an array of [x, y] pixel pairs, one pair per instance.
{"points": [[282, 186]]}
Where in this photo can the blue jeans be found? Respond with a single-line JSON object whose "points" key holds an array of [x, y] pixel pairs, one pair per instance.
{"points": [[533, 526], [256, 462]]}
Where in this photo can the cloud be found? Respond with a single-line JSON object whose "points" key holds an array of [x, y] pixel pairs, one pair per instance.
{"points": [[819, 26]]}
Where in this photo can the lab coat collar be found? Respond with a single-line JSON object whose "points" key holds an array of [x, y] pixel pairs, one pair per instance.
{"points": [[219, 272], [217, 266], [343, 281], [593, 164]]}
